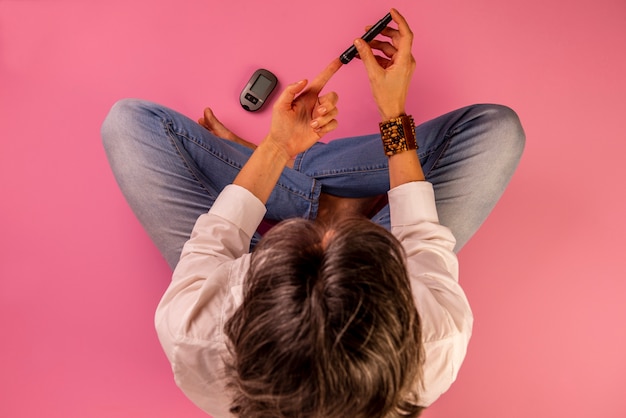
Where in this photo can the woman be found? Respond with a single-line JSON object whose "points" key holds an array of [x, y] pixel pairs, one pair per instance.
{"points": [[351, 306]]}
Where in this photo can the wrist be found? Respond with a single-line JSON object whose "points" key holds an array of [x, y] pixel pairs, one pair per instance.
{"points": [[398, 135], [261, 172], [391, 113]]}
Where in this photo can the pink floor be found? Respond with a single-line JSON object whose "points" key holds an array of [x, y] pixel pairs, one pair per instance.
{"points": [[79, 279]]}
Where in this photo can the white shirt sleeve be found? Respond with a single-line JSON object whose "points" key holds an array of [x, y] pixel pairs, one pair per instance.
{"points": [[444, 311], [206, 289]]}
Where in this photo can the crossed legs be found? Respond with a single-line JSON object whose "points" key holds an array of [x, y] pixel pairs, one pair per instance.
{"points": [[171, 169]]}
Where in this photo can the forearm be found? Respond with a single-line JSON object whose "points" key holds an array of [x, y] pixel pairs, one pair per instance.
{"points": [[292, 131], [389, 81], [404, 167], [261, 172]]}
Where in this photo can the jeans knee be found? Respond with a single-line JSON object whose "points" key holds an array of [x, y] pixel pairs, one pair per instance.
{"points": [[510, 132], [124, 133], [118, 120], [506, 137]]}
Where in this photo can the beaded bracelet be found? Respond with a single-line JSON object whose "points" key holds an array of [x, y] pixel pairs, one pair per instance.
{"points": [[398, 135]]}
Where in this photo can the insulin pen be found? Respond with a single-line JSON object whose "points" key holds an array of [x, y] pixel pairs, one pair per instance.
{"points": [[350, 53]]}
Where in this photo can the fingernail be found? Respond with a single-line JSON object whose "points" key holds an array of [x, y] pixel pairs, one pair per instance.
{"points": [[321, 110], [315, 124], [357, 43]]}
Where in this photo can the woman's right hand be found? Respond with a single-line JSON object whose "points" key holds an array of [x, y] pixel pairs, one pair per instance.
{"points": [[390, 77]]}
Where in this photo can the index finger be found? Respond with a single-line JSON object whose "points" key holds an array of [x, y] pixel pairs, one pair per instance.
{"points": [[322, 78]]}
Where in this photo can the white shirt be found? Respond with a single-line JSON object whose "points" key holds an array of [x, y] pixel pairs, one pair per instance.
{"points": [[206, 289]]}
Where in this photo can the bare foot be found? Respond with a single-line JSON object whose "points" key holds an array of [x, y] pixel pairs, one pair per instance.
{"points": [[217, 128]]}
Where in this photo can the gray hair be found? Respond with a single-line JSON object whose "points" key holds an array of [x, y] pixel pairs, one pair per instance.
{"points": [[327, 327]]}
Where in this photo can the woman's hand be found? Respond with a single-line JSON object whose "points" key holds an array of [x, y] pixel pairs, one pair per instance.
{"points": [[301, 117], [390, 77]]}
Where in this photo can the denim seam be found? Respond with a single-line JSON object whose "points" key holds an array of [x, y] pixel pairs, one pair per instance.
{"points": [[446, 145], [335, 173], [170, 130], [446, 142], [371, 169]]}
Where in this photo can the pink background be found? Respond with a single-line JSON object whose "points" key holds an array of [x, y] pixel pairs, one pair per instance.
{"points": [[80, 280]]}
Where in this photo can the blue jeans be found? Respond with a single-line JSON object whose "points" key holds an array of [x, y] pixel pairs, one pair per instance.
{"points": [[171, 169]]}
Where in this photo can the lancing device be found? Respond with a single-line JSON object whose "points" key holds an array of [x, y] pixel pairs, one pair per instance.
{"points": [[351, 52]]}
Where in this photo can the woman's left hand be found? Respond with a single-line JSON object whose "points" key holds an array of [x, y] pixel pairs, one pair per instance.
{"points": [[301, 117]]}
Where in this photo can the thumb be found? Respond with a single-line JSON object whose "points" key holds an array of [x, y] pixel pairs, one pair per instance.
{"points": [[288, 95], [366, 55]]}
